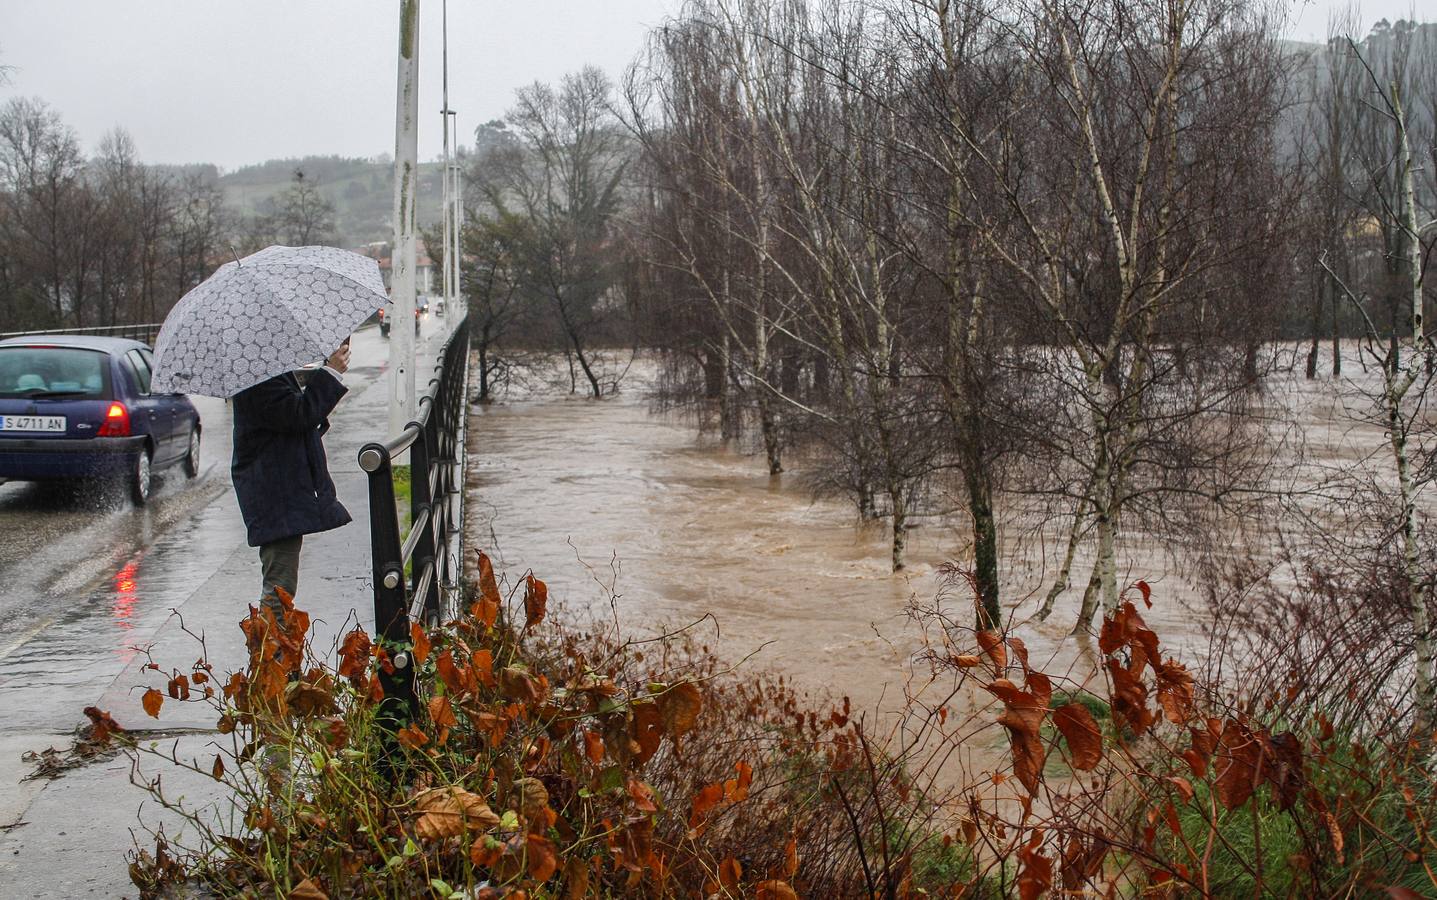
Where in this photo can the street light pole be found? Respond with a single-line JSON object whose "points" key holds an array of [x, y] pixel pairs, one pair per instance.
{"points": [[456, 198], [444, 179], [402, 255]]}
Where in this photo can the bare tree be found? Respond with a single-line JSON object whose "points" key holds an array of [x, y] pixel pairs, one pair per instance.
{"points": [[302, 215], [563, 176], [1390, 166]]}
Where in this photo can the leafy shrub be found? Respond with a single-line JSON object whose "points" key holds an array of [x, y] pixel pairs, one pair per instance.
{"points": [[549, 761], [542, 760]]}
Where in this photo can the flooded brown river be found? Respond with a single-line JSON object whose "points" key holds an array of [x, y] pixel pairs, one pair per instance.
{"points": [[624, 511]]}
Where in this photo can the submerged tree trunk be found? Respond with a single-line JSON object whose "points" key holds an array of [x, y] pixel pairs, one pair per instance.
{"points": [[594, 386], [767, 401], [1075, 534], [483, 372], [1336, 332], [728, 415], [1089, 608], [897, 497], [1422, 637], [1314, 350], [985, 548]]}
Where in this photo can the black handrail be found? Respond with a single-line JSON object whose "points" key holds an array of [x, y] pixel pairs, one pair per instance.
{"points": [[145, 333], [435, 441]]}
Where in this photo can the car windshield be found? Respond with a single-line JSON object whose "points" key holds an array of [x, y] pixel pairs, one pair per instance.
{"points": [[53, 372]]}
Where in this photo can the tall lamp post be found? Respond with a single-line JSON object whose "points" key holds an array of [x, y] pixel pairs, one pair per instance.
{"points": [[456, 215], [402, 255], [453, 204]]}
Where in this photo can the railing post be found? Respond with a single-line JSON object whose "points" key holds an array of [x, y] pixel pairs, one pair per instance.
{"points": [[391, 611], [434, 444]]}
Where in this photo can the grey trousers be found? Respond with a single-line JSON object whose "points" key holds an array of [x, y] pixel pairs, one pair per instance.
{"points": [[279, 568]]}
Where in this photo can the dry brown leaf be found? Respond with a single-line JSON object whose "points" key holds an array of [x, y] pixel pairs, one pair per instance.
{"points": [[354, 655], [775, 890], [991, 643], [680, 706], [593, 747], [451, 811], [1035, 875], [486, 608], [1239, 761], [410, 736], [703, 802], [536, 600], [309, 699], [421, 643], [646, 729], [533, 802], [441, 712], [308, 889], [543, 860], [576, 878], [1023, 718], [1080, 730], [730, 874]]}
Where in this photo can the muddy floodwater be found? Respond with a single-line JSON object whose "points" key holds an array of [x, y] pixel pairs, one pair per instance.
{"points": [[624, 511], [631, 513]]}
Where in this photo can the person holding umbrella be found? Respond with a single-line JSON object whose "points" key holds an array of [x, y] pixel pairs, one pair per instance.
{"points": [[241, 334], [280, 474]]}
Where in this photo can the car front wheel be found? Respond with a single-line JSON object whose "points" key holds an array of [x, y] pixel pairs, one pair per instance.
{"points": [[140, 477], [192, 458]]}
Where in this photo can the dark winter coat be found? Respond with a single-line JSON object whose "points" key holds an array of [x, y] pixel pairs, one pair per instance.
{"points": [[279, 471]]}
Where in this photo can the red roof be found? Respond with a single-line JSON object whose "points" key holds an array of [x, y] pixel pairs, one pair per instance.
{"points": [[381, 252]]}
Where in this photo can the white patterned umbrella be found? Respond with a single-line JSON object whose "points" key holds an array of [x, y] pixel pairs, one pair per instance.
{"points": [[273, 311]]}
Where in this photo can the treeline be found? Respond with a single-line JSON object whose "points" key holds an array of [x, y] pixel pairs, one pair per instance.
{"points": [[1029, 247], [1037, 249], [107, 239]]}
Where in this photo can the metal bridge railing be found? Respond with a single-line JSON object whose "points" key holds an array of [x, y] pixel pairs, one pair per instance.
{"points": [[144, 333], [431, 550]]}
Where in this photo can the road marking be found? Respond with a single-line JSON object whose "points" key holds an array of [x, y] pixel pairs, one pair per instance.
{"points": [[26, 637]]}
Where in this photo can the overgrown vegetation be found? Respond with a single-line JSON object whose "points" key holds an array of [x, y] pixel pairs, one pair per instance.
{"points": [[542, 756], [548, 761]]}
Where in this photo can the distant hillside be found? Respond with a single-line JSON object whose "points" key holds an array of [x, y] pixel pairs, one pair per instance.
{"points": [[362, 191]]}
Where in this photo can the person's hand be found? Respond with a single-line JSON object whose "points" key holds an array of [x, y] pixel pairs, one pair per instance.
{"points": [[339, 359]]}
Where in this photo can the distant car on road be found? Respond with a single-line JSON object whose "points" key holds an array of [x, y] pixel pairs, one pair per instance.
{"points": [[76, 407], [384, 321]]}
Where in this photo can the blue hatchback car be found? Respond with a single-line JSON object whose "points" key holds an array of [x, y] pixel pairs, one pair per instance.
{"points": [[76, 407]]}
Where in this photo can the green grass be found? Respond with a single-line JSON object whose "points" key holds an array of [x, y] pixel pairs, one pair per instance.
{"points": [[403, 492], [1259, 844]]}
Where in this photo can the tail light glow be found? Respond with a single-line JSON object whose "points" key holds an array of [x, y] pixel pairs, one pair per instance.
{"points": [[117, 422]]}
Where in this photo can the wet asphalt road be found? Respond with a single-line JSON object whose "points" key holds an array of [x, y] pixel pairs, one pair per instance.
{"points": [[85, 577]]}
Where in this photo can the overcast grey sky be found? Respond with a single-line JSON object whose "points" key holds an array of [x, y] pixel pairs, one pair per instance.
{"points": [[240, 81]]}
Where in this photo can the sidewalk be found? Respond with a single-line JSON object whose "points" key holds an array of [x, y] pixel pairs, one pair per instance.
{"points": [[77, 829]]}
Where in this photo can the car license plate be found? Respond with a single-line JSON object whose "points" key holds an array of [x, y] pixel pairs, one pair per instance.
{"points": [[50, 424]]}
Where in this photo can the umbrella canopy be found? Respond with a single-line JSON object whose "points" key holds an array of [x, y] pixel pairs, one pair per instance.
{"points": [[273, 311]]}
